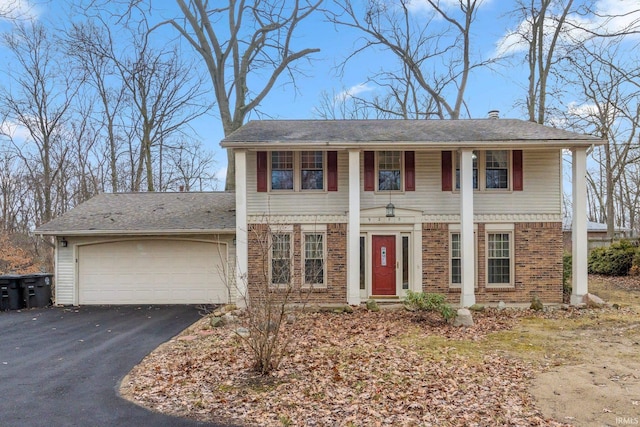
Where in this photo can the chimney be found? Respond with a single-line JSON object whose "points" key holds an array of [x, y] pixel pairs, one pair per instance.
{"points": [[494, 114]]}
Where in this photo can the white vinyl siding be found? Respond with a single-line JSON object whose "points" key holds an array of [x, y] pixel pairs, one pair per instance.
{"points": [[542, 191], [64, 290]]}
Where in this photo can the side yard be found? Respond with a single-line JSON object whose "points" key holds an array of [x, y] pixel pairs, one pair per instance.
{"points": [[393, 367]]}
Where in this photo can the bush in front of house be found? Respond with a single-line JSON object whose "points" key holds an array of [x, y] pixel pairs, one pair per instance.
{"points": [[566, 276], [421, 301], [616, 260]]}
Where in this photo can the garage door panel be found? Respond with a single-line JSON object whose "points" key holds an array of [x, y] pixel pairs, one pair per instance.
{"points": [[151, 272]]}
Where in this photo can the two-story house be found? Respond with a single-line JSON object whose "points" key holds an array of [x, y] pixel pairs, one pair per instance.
{"points": [[349, 210], [372, 208]]}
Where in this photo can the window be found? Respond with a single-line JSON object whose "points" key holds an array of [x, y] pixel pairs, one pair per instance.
{"points": [[297, 171], [281, 259], [405, 262], [497, 169], [499, 258], [362, 263], [311, 172], [491, 170], [389, 170], [456, 259], [314, 258], [475, 171], [455, 255], [282, 170]]}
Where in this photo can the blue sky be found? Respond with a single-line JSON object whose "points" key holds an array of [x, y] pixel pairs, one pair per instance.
{"points": [[500, 88]]}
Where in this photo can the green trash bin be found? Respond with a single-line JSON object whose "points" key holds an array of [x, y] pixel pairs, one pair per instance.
{"points": [[10, 292], [36, 290]]}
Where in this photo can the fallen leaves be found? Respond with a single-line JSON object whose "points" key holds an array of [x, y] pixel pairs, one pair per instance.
{"points": [[344, 369]]}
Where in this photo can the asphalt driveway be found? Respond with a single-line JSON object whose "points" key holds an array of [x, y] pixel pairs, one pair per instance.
{"points": [[62, 366]]}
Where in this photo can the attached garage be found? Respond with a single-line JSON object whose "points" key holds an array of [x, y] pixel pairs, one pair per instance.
{"points": [[152, 271], [146, 248]]}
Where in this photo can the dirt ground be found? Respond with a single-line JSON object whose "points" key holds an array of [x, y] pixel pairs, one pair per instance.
{"points": [[600, 385]]}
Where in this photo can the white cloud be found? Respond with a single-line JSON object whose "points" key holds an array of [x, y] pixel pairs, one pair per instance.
{"points": [[353, 91], [18, 10], [612, 16], [14, 131]]}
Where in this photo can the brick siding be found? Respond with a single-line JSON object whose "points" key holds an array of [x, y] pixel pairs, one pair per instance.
{"points": [[335, 266]]}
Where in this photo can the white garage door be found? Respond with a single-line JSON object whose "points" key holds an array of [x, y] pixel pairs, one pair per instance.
{"points": [[151, 272]]}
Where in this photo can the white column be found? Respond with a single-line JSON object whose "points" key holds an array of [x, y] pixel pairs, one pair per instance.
{"points": [[579, 270], [467, 247], [242, 247], [353, 230]]}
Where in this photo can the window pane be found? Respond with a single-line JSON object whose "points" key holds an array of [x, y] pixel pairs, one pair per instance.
{"points": [[456, 271], [497, 169], [314, 258], [475, 171], [389, 170], [456, 261], [498, 264], [282, 170], [499, 271], [312, 176], [313, 272], [280, 258], [389, 180], [405, 262], [362, 263], [312, 179]]}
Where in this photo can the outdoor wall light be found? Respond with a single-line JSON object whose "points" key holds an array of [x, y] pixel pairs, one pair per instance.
{"points": [[63, 243], [391, 210]]}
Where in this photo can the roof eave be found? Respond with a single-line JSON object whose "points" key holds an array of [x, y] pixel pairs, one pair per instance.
{"points": [[436, 145], [154, 232]]}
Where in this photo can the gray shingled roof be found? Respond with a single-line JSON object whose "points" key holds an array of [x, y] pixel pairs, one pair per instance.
{"points": [[425, 132], [140, 213]]}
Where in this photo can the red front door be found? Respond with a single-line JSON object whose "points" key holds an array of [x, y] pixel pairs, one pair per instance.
{"points": [[384, 265]]}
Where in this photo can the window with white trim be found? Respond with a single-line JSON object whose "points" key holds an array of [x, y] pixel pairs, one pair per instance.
{"points": [[311, 170], [281, 258], [389, 170], [497, 169], [491, 170], [455, 256], [314, 259], [499, 258], [297, 170]]}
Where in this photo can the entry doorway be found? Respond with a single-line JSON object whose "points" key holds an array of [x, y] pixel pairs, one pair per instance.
{"points": [[384, 265]]}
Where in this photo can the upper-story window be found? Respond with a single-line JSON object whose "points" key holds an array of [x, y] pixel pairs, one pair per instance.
{"points": [[491, 170], [297, 170], [389, 170], [497, 169], [282, 170], [311, 170]]}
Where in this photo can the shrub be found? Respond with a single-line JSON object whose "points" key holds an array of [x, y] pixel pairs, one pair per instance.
{"points": [[566, 276], [420, 301], [616, 260]]}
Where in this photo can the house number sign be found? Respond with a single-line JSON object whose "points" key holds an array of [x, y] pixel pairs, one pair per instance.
{"points": [[383, 256]]}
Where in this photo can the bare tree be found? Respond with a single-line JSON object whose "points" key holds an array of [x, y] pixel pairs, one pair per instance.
{"points": [[421, 46], [609, 108], [91, 48], [39, 101], [258, 40]]}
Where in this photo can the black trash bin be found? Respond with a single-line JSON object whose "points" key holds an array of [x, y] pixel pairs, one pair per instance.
{"points": [[10, 292], [36, 290]]}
